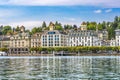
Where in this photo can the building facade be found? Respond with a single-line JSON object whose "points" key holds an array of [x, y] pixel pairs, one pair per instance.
{"points": [[19, 43], [36, 40], [103, 35], [117, 37], [83, 38], [112, 42], [53, 38]]}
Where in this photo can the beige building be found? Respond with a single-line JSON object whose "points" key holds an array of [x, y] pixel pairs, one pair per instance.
{"points": [[83, 26], [51, 26], [103, 35], [36, 40], [20, 43]]}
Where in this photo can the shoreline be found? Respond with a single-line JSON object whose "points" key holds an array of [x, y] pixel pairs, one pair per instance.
{"points": [[30, 55], [83, 54]]}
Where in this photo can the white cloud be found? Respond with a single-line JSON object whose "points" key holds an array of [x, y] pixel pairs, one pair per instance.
{"points": [[108, 10], [98, 11], [6, 13], [28, 24], [102, 3]]}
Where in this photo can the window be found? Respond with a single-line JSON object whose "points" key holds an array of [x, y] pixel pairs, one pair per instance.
{"points": [[51, 32]]}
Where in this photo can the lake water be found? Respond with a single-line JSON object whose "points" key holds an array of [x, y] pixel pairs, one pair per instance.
{"points": [[60, 68]]}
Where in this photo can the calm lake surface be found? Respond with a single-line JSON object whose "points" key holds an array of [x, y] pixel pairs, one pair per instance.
{"points": [[60, 68]]}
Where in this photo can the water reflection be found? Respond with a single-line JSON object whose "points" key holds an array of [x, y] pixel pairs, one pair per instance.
{"points": [[60, 68]]}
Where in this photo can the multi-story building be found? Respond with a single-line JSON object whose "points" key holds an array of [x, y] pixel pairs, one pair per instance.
{"points": [[117, 37], [36, 40], [83, 38], [20, 43], [103, 35], [112, 42], [53, 38]]}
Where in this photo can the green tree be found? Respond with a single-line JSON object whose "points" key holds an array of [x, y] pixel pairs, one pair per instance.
{"points": [[91, 27], [119, 25], [58, 27], [57, 49], [27, 30], [100, 26], [75, 27], [103, 25], [4, 49], [6, 29], [56, 23], [36, 29], [32, 49], [44, 24], [116, 19], [17, 29], [67, 27], [10, 32], [111, 33], [44, 49], [47, 28]]}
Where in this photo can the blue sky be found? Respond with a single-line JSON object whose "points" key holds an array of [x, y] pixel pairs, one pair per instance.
{"points": [[31, 13]]}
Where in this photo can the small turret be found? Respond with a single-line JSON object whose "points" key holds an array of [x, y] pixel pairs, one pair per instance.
{"points": [[83, 26], [51, 26], [22, 28]]}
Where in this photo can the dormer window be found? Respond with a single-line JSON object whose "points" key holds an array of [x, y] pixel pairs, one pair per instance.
{"points": [[51, 32]]}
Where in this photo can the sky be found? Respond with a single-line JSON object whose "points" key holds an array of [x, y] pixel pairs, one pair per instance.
{"points": [[31, 13]]}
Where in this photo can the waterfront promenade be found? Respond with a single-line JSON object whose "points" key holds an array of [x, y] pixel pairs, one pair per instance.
{"points": [[30, 54], [82, 54]]}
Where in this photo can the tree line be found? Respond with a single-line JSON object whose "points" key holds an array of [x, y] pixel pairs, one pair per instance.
{"points": [[4, 49], [78, 49], [109, 26]]}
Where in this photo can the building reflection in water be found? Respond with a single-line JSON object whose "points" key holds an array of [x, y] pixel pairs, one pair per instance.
{"points": [[61, 68]]}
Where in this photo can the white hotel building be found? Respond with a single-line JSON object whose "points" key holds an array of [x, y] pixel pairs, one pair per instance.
{"points": [[116, 41], [53, 38], [83, 38], [117, 37]]}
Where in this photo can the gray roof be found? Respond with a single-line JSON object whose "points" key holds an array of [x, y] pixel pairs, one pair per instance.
{"points": [[4, 38], [22, 34], [54, 32], [83, 33]]}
